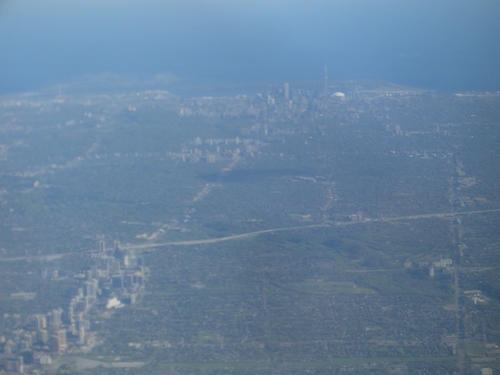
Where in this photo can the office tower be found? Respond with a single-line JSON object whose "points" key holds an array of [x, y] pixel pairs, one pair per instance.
{"points": [[58, 341], [129, 280], [40, 321], [25, 345], [10, 347], [81, 335], [90, 289], [115, 267], [20, 365], [28, 357], [61, 339], [55, 319], [15, 364], [102, 248], [104, 274], [287, 91], [42, 336], [117, 281], [28, 339], [71, 312], [133, 298], [94, 271], [103, 264]]}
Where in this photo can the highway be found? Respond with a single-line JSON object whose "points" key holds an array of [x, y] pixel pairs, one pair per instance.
{"points": [[321, 225], [325, 224]]}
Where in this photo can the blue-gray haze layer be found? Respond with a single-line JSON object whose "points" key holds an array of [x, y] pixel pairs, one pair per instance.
{"points": [[442, 45]]}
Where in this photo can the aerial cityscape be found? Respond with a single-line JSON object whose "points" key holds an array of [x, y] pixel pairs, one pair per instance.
{"points": [[249, 187], [345, 228]]}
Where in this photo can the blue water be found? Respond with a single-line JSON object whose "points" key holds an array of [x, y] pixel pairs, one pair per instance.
{"points": [[442, 45]]}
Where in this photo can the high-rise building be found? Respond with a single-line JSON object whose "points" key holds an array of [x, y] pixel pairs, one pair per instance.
{"points": [[94, 271], [42, 336], [71, 312], [16, 365], [55, 319], [61, 341], [115, 267], [25, 345], [103, 264], [41, 322], [102, 248], [286, 89], [133, 298], [81, 335], [20, 365], [91, 289], [129, 280], [117, 281], [28, 339], [10, 347], [104, 274]]}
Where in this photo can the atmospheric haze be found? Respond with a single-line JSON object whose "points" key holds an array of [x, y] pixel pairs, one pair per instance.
{"points": [[250, 187], [441, 45]]}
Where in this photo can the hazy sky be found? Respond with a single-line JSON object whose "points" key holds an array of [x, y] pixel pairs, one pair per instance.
{"points": [[439, 44]]}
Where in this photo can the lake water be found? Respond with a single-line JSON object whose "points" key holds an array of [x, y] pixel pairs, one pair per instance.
{"points": [[442, 45]]}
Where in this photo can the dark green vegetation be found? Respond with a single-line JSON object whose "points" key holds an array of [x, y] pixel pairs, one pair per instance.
{"points": [[378, 175]]}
